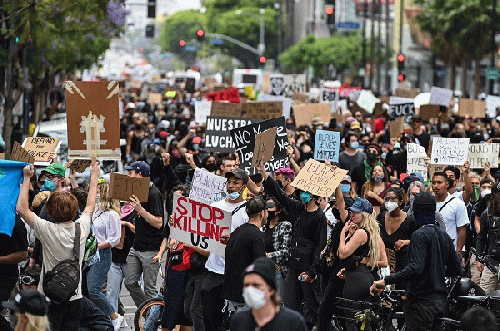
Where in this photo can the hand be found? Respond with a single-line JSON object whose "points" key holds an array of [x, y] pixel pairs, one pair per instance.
{"points": [[188, 246], [341, 273], [466, 167], [134, 202], [479, 266], [289, 151], [260, 167], [400, 244], [308, 278], [95, 172], [487, 168], [190, 158], [28, 171], [377, 287], [53, 156], [237, 156], [172, 244], [166, 159], [224, 238], [156, 259], [124, 223], [171, 220], [327, 162]]}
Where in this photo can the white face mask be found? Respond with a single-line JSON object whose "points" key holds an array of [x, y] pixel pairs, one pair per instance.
{"points": [[391, 206], [253, 297], [485, 192]]}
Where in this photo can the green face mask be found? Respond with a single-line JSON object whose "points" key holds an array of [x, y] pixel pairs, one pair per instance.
{"points": [[476, 193]]}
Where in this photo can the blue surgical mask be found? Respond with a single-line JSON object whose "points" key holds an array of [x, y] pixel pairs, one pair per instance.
{"points": [[48, 185], [383, 156], [305, 197], [355, 145], [345, 188], [233, 196]]}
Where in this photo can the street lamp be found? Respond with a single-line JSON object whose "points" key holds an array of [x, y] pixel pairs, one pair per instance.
{"points": [[262, 45]]}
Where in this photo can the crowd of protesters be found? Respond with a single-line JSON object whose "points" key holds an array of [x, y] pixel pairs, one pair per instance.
{"points": [[290, 253]]}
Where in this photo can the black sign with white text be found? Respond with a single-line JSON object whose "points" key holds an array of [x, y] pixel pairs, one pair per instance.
{"points": [[218, 138]]}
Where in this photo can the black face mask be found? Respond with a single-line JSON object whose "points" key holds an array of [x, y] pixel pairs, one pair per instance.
{"points": [[371, 157], [281, 185]]}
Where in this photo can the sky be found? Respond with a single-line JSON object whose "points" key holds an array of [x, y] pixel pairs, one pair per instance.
{"points": [[175, 5]]}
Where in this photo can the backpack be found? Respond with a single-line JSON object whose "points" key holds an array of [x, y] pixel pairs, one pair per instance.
{"points": [[61, 283], [493, 235]]}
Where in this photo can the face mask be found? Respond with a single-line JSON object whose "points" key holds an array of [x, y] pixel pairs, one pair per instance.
{"points": [[371, 157], [383, 156], [475, 193], [305, 197], [485, 192], [391, 206], [253, 297], [354, 145], [378, 179], [271, 214], [233, 196], [281, 185], [345, 188], [49, 185]]}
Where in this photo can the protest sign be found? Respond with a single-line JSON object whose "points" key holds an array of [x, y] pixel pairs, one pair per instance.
{"points": [[2, 156], [264, 146], [199, 224], [263, 109], [123, 187], [328, 95], [288, 85], [287, 102], [232, 95], [416, 159], [207, 187], [170, 94], [304, 113], [492, 103], [225, 109], [319, 179], [400, 101], [407, 92], [202, 111], [367, 100], [397, 127], [250, 92], [402, 107], [451, 151], [301, 98], [471, 108], [93, 120], [427, 112], [327, 145], [135, 83], [441, 96], [277, 85], [479, 154], [218, 138], [190, 85], [79, 165], [41, 147], [18, 153], [11, 176], [347, 92], [155, 98], [244, 140]]}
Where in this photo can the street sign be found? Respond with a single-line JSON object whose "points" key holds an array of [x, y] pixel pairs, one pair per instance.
{"points": [[492, 73], [348, 26], [216, 41]]}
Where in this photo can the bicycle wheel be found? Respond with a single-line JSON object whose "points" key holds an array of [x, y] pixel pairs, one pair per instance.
{"points": [[148, 315]]}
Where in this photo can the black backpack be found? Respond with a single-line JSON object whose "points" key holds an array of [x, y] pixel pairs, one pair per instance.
{"points": [[60, 284]]}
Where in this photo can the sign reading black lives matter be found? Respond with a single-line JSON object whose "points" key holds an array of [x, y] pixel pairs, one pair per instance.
{"points": [[244, 140], [288, 84], [218, 138]]}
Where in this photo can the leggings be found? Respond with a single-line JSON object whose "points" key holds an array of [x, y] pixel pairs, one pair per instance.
{"points": [[357, 288]]}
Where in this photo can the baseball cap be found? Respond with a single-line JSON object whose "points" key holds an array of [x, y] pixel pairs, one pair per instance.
{"points": [[355, 125], [265, 268], [424, 202], [238, 173], [361, 205], [139, 166], [29, 301], [347, 178], [256, 205], [56, 169]]}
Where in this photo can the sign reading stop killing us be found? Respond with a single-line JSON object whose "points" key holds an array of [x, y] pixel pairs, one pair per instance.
{"points": [[199, 224]]}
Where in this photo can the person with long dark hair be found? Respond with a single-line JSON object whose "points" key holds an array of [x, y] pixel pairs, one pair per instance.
{"points": [[375, 187]]}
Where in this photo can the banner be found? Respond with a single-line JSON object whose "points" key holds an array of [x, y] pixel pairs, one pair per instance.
{"points": [[327, 145], [202, 111], [479, 154], [451, 151], [288, 85], [199, 224], [123, 187], [319, 179], [244, 139], [416, 159], [218, 138], [11, 177], [232, 95], [207, 187]]}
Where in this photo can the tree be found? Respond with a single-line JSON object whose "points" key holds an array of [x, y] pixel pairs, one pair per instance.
{"points": [[181, 25]]}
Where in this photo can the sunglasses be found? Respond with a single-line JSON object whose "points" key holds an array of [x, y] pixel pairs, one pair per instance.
{"points": [[27, 280]]}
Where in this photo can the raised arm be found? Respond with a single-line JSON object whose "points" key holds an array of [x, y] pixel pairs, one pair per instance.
{"points": [[23, 208], [94, 177]]}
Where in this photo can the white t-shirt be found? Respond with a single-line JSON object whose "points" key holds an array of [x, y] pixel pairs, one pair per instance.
{"points": [[331, 221], [217, 263], [454, 215], [57, 242]]}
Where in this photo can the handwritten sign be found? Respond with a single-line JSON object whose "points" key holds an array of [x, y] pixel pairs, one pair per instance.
{"points": [[264, 146], [451, 151], [416, 159], [397, 127], [263, 109], [319, 179], [479, 154], [218, 137], [440, 96], [427, 112], [202, 111], [155, 98], [225, 109], [306, 112], [327, 145], [41, 147], [123, 187], [199, 224], [79, 165], [207, 187], [286, 102], [492, 104], [18, 153], [407, 92]]}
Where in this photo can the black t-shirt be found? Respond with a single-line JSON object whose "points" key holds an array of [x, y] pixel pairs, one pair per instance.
{"points": [[120, 255], [11, 244], [245, 245], [284, 320], [424, 139], [147, 237], [481, 206], [269, 239]]}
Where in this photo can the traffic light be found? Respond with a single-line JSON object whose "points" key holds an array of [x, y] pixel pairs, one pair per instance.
{"points": [[200, 35], [401, 67], [401, 77], [330, 12], [151, 8], [182, 43], [262, 60]]}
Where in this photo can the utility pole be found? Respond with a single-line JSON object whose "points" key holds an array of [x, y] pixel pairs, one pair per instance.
{"points": [[379, 39], [363, 63], [387, 84], [372, 41], [493, 44]]}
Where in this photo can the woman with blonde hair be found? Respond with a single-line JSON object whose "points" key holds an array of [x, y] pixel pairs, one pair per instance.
{"points": [[30, 308], [107, 229]]}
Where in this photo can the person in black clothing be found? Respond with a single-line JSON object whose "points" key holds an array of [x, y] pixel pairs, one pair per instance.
{"points": [[308, 240], [245, 245], [432, 258], [419, 133], [265, 313]]}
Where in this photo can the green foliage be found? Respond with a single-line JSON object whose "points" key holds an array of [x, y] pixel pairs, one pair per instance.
{"points": [[181, 25]]}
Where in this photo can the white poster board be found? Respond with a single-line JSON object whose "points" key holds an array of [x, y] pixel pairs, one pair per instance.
{"points": [[416, 159], [207, 187], [451, 151], [479, 154], [202, 111]]}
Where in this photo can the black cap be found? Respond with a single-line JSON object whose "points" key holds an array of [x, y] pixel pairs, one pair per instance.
{"points": [[238, 173], [495, 188], [256, 205], [265, 268], [424, 202], [29, 301]]}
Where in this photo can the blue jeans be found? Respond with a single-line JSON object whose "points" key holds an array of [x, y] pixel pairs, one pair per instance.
{"points": [[95, 279], [116, 275]]}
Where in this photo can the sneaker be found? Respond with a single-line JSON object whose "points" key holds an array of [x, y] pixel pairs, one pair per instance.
{"points": [[117, 323], [124, 324]]}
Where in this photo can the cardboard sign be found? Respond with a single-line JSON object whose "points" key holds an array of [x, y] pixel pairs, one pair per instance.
{"points": [[123, 187], [264, 146], [319, 179], [407, 92], [244, 140], [231, 95], [286, 102], [328, 95], [479, 154], [207, 187], [416, 159], [199, 224], [190, 85], [397, 127], [18, 153], [427, 112], [327, 145], [225, 109], [305, 113], [135, 83], [155, 98], [451, 151], [2, 156], [492, 103], [218, 137], [79, 165], [471, 108], [287, 85], [263, 109], [93, 120], [300, 98], [202, 111], [41, 147], [441, 96]]}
